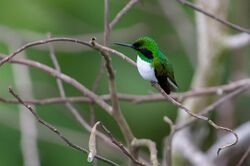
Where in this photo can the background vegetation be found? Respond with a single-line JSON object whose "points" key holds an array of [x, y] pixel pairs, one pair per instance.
{"points": [[29, 20]]}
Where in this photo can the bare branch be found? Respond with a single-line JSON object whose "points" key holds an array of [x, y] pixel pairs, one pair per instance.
{"points": [[197, 116], [40, 42], [53, 129], [102, 48], [96, 46], [227, 23], [215, 105]]}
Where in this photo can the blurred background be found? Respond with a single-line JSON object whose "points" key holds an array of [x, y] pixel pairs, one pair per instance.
{"points": [[171, 25]]}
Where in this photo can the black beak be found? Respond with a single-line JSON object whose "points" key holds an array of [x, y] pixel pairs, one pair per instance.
{"points": [[125, 45]]}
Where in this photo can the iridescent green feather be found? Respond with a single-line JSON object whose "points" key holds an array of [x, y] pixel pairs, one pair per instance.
{"points": [[164, 72]]}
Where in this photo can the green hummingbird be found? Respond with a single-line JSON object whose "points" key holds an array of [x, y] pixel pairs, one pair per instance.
{"points": [[152, 64]]}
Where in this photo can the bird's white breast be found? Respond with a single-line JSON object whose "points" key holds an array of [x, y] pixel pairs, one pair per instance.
{"points": [[146, 70]]}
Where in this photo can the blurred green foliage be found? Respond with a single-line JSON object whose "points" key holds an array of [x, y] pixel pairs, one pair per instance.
{"points": [[65, 17]]}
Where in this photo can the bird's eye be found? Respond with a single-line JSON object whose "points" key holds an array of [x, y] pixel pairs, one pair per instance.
{"points": [[146, 53]]}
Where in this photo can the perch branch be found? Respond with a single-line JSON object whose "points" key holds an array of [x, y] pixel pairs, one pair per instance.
{"points": [[40, 42]]}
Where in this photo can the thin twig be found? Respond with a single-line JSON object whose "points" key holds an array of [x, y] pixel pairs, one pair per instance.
{"points": [[201, 10], [197, 116], [214, 105], [124, 11], [52, 128], [96, 46], [40, 42]]}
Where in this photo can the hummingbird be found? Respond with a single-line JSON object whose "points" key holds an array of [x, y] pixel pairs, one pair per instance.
{"points": [[152, 64]]}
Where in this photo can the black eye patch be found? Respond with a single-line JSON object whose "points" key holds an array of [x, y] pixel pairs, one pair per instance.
{"points": [[137, 44], [146, 53]]}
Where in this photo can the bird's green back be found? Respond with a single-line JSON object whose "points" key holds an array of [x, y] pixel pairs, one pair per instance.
{"points": [[163, 66]]}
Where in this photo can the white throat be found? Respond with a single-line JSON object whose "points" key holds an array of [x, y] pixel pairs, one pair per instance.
{"points": [[145, 69]]}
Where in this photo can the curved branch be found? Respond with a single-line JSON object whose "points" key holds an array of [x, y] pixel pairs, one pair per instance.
{"points": [[92, 96]]}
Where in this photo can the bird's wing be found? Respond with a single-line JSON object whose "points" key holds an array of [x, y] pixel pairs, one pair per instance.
{"points": [[171, 78], [165, 76]]}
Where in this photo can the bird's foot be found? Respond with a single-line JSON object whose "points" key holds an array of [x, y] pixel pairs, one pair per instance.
{"points": [[153, 83]]}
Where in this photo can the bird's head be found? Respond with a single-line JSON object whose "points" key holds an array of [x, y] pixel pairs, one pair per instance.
{"points": [[146, 47]]}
